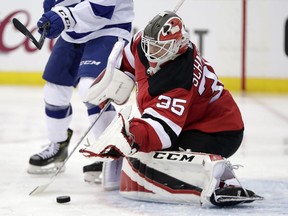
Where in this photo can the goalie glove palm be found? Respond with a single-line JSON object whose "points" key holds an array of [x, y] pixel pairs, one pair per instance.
{"points": [[116, 141]]}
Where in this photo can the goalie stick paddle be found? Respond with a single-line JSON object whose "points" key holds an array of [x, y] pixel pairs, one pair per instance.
{"points": [[20, 27], [41, 188]]}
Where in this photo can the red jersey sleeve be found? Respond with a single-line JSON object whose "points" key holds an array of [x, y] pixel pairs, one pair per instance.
{"points": [[162, 120]]}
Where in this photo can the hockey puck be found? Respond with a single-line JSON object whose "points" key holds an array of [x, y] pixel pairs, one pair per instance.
{"points": [[63, 199]]}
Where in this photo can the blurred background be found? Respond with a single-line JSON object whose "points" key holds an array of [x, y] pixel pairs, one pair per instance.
{"points": [[245, 40]]}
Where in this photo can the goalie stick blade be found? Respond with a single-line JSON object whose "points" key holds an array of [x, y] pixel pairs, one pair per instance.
{"points": [[39, 189]]}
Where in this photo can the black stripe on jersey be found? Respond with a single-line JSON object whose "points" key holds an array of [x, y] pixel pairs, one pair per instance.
{"points": [[172, 135], [160, 178], [175, 74]]}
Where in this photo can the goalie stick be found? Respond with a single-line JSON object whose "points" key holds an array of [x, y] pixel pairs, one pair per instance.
{"points": [[178, 6], [20, 27], [41, 188]]}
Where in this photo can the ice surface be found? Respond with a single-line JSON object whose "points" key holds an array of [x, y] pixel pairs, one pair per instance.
{"points": [[264, 155]]}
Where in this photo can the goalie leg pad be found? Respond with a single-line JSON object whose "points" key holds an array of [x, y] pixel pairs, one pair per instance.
{"points": [[111, 174], [179, 177], [169, 177]]}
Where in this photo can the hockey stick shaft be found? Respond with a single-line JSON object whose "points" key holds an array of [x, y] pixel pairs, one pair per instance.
{"points": [[20, 27], [43, 36], [41, 188], [178, 6]]}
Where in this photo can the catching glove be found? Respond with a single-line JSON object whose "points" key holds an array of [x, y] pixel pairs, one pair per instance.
{"points": [[115, 142]]}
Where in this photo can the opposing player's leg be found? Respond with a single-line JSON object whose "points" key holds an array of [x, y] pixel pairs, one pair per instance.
{"points": [[58, 118], [93, 171], [60, 73]]}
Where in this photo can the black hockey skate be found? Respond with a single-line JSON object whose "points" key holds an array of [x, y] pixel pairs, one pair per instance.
{"points": [[92, 172], [229, 196], [51, 158]]}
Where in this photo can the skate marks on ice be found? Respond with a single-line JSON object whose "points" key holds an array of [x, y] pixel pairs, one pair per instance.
{"points": [[22, 131], [88, 199]]}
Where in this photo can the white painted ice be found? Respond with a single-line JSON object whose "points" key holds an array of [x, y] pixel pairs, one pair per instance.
{"points": [[264, 154]]}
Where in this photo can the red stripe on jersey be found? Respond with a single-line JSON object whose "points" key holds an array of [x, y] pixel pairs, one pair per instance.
{"points": [[145, 135]]}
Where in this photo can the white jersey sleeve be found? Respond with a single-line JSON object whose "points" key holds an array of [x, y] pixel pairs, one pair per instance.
{"points": [[96, 18], [66, 3]]}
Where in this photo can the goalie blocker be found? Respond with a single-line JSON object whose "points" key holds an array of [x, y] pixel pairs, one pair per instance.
{"points": [[183, 178]]}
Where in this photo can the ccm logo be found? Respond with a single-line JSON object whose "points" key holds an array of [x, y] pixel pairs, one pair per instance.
{"points": [[65, 17], [173, 156]]}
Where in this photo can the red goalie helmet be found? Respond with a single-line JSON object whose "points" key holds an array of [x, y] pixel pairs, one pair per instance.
{"points": [[164, 38]]}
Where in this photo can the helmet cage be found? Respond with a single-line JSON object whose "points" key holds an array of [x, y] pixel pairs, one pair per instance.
{"points": [[164, 39], [158, 51]]}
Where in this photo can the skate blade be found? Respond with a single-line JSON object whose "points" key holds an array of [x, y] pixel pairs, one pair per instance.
{"points": [[93, 177], [223, 198], [43, 170]]}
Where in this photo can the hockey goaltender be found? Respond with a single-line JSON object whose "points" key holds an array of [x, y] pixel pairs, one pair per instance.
{"points": [[177, 151]]}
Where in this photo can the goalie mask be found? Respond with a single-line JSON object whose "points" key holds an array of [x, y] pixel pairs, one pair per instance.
{"points": [[164, 38]]}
